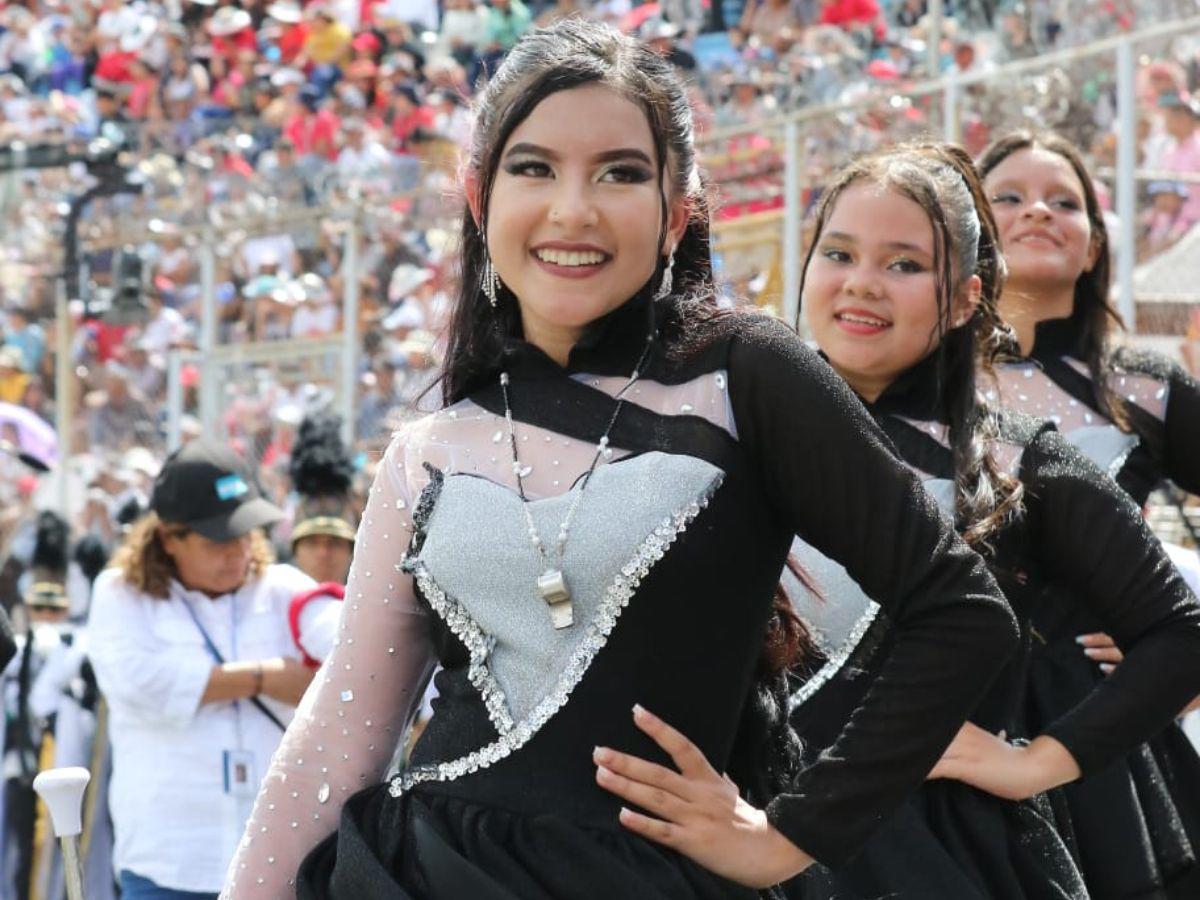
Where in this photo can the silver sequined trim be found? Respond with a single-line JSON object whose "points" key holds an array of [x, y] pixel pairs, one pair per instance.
{"points": [[477, 643], [1115, 467], [823, 675], [615, 599]]}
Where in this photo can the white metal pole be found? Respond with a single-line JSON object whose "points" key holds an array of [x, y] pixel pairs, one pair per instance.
{"points": [[174, 399], [933, 49], [64, 374], [950, 92], [793, 213], [209, 372], [1126, 184], [349, 329]]}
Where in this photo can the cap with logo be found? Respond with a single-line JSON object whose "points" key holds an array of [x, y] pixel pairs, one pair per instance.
{"points": [[210, 489]]}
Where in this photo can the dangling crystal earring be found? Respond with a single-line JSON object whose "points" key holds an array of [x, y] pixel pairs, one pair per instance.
{"points": [[664, 286], [490, 282]]}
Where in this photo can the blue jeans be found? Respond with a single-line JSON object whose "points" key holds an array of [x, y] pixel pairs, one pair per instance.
{"points": [[135, 887]]}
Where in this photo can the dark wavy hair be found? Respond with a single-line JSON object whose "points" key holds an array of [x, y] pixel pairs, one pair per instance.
{"points": [[942, 180], [571, 54], [1097, 318]]}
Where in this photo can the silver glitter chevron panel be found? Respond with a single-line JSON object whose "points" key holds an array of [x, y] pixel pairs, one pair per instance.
{"points": [[480, 572], [525, 669]]}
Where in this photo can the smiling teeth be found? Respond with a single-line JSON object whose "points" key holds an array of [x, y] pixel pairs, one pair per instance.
{"points": [[570, 257], [863, 320]]}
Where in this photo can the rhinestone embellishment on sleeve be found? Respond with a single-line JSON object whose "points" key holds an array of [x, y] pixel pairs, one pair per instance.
{"points": [[596, 632]]}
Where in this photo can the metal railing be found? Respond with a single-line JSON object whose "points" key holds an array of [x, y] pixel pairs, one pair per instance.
{"points": [[1082, 91]]}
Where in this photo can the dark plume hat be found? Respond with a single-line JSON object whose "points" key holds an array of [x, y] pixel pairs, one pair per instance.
{"points": [[322, 472]]}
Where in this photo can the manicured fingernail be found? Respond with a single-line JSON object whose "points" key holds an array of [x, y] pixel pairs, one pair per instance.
{"points": [[601, 754], [603, 773], [1107, 668], [1079, 638], [1090, 651]]}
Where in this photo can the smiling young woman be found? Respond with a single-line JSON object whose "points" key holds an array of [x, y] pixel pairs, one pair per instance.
{"points": [[1137, 416], [588, 538], [900, 291]]}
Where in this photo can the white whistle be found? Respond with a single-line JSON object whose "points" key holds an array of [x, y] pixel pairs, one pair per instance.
{"points": [[62, 790]]}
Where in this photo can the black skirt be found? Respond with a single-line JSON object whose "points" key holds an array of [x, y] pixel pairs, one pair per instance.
{"points": [[954, 842], [434, 847], [1136, 822]]}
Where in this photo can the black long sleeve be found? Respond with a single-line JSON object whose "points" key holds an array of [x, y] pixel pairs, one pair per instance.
{"points": [[836, 483], [1183, 431], [1088, 535]]}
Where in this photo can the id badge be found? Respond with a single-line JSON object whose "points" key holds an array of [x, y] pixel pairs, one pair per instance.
{"points": [[241, 777]]}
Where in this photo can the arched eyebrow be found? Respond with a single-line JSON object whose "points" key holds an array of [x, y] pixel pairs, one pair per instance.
{"points": [[1056, 187], [902, 246], [620, 153]]}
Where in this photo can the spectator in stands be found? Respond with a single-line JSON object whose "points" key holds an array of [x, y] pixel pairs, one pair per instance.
{"points": [[771, 23], [861, 16], [451, 120], [909, 12], [327, 45], [232, 31], [463, 31], [1163, 223], [311, 126], [13, 378], [507, 20], [316, 315], [175, 262], [119, 419], [1182, 123], [27, 336], [165, 327], [142, 101], [362, 157], [382, 396], [283, 176], [145, 372], [294, 32], [746, 103]]}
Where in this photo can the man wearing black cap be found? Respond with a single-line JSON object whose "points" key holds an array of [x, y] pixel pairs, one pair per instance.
{"points": [[190, 642]]}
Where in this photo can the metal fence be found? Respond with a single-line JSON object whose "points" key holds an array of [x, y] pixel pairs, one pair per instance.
{"points": [[770, 172]]}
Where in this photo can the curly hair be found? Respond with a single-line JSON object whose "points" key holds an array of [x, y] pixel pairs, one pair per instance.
{"points": [[146, 566]]}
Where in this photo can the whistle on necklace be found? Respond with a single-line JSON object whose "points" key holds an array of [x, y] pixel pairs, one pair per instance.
{"points": [[552, 587]]}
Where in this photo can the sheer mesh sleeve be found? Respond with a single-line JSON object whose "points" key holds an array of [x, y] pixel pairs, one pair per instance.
{"points": [[347, 727]]}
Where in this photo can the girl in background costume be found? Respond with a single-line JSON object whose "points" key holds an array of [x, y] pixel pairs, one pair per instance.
{"points": [[1137, 416]]}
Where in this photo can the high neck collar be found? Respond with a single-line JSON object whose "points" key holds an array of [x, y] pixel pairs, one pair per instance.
{"points": [[915, 394], [1058, 337], [611, 345]]}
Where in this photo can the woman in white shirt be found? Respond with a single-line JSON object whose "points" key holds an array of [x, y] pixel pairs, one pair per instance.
{"points": [[190, 642]]}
